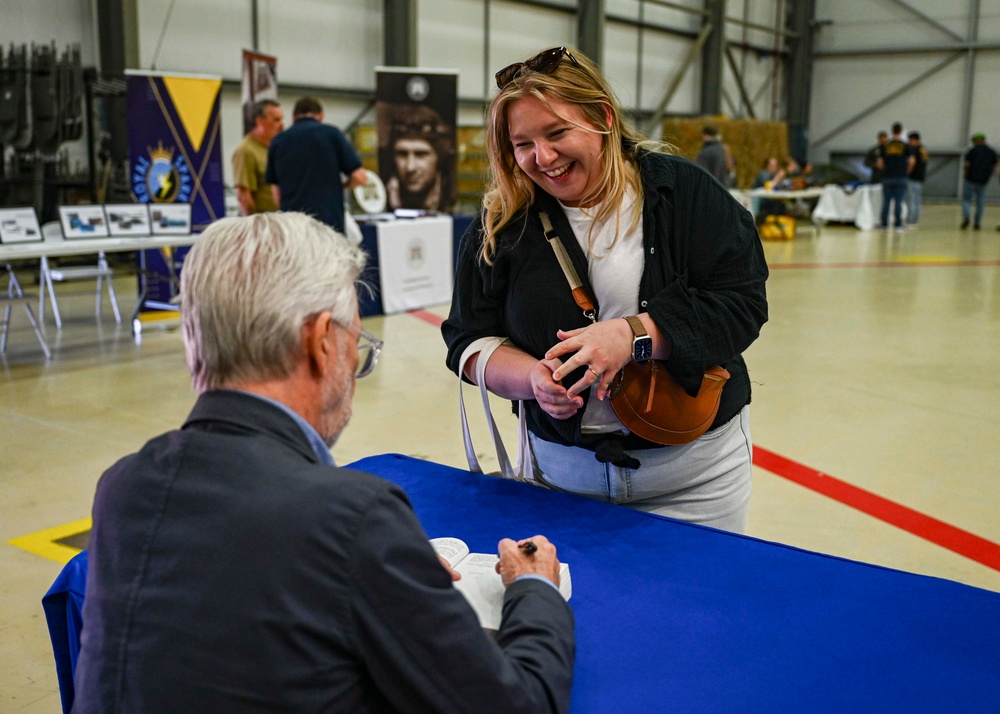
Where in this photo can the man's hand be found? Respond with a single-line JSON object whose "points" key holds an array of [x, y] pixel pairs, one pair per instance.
{"points": [[516, 561], [455, 575]]}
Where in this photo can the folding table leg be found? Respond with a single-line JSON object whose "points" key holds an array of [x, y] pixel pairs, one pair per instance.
{"points": [[38, 331], [3, 332], [47, 285]]}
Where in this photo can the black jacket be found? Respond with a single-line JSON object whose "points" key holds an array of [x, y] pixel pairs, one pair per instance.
{"points": [[702, 283], [231, 571]]}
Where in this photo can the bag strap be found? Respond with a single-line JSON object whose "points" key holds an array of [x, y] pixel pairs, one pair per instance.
{"points": [[580, 294], [522, 469]]}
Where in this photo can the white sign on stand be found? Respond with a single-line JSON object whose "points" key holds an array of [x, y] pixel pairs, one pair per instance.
{"points": [[415, 263], [19, 225]]}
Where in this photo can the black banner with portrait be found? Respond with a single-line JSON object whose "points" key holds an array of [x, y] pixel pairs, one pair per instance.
{"points": [[416, 111]]}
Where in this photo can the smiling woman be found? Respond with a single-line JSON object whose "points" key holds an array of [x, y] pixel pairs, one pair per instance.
{"points": [[657, 241]]}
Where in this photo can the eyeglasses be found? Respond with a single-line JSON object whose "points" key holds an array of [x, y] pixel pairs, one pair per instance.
{"points": [[543, 63], [369, 349]]}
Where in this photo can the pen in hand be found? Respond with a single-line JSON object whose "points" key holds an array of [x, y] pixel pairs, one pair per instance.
{"points": [[528, 547]]}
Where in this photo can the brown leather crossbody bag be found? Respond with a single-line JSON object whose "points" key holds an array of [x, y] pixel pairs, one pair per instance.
{"points": [[644, 395]]}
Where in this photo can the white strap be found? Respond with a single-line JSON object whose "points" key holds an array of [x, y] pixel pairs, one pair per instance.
{"points": [[485, 347]]}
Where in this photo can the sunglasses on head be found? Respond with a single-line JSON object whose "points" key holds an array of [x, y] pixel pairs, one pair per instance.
{"points": [[543, 63]]}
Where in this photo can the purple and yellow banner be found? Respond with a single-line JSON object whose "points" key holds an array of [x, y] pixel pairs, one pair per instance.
{"points": [[175, 156], [175, 143]]}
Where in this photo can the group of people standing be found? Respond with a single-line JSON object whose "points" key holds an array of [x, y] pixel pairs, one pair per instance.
{"points": [[901, 167]]}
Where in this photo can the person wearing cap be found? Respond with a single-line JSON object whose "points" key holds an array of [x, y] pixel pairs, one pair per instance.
{"points": [[420, 142], [980, 163]]}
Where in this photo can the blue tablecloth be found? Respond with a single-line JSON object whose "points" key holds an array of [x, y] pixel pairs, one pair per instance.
{"points": [[680, 618]]}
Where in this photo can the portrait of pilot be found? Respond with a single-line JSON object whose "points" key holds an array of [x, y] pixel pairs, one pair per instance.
{"points": [[420, 144]]}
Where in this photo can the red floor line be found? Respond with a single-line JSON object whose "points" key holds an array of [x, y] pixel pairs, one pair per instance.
{"points": [[889, 264], [938, 532], [429, 317]]}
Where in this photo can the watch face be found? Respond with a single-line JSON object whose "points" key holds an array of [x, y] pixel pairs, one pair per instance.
{"points": [[642, 348]]}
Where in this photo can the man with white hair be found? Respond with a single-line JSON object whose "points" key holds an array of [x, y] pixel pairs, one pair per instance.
{"points": [[234, 567]]}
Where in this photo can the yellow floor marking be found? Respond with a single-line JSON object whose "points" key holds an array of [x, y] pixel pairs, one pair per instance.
{"points": [[44, 543], [926, 259]]}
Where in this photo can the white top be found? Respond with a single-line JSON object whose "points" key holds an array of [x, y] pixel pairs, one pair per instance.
{"points": [[614, 271]]}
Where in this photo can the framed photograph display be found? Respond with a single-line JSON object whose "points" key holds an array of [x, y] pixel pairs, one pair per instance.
{"points": [[19, 225], [170, 218], [83, 222], [127, 219]]}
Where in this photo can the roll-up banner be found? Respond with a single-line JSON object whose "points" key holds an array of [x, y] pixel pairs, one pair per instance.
{"points": [[416, 111], [260, 81], [175, 156]]}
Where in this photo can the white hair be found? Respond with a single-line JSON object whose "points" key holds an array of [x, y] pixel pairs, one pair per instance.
{"points": [[248, 286]]}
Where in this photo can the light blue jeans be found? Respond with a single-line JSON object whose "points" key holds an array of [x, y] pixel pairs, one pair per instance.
{"points": [[970, 190], [914, 197], [705, 482]]}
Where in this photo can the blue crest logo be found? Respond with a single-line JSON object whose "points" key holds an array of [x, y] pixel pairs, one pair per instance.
{"points": [[162, 177]]}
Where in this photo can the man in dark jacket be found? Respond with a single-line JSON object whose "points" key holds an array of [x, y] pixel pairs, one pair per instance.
{"points": [[980, 163], [235, 568], [874, 155]]}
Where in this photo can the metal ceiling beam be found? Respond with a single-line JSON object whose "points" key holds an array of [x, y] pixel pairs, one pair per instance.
{"points": [[711, 57], [657, 116], [399, 33], [590, 29], [912, 49], [744, 96], [886, 99], [929, 20], [798, 89]]}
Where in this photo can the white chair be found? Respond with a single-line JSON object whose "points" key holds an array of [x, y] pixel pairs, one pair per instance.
{"points": [[101, 272], [11, 295]]}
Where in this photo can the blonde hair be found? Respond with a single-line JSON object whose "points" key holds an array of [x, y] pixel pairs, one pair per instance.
{"points": [[509, 191]]}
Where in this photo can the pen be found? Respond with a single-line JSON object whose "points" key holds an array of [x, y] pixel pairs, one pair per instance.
{"points": [[528, 547]]}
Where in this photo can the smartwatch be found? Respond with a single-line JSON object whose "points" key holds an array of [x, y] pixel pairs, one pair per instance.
{"points": [[642, 343]]}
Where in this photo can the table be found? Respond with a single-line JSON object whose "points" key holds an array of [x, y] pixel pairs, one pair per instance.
{"points": [[60, 247], [860, 205], [372, 303], [677, 617]]}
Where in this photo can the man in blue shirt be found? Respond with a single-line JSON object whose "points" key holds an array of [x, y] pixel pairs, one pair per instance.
{"points": [[980, 163], [305, 163]]}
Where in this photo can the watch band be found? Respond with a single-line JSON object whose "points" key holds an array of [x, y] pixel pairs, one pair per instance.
{"points": [[642, 341], [638, 329]]}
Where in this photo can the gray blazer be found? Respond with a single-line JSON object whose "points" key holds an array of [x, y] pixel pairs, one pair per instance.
{"points": [[230, 571]]}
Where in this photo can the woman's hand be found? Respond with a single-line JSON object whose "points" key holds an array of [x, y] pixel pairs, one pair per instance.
{"points": [[554, 399], [602, 348]]}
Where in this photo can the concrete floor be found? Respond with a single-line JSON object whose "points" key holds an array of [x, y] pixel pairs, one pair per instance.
{"points": [[876, 416]]}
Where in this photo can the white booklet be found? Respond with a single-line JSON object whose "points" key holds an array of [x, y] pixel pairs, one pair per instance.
{"points": [[481, 583]]}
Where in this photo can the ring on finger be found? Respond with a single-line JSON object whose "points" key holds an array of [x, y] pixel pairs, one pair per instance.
{"points": [[597, 375]]}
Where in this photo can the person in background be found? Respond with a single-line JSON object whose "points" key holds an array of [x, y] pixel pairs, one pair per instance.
{"points": [[980, 163], [915, 182], [768, 177], [672, 259], [896, 163], [420, 141], [714, 156], [874, 155], [250, 159], [307, 162], [235, 568]]}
